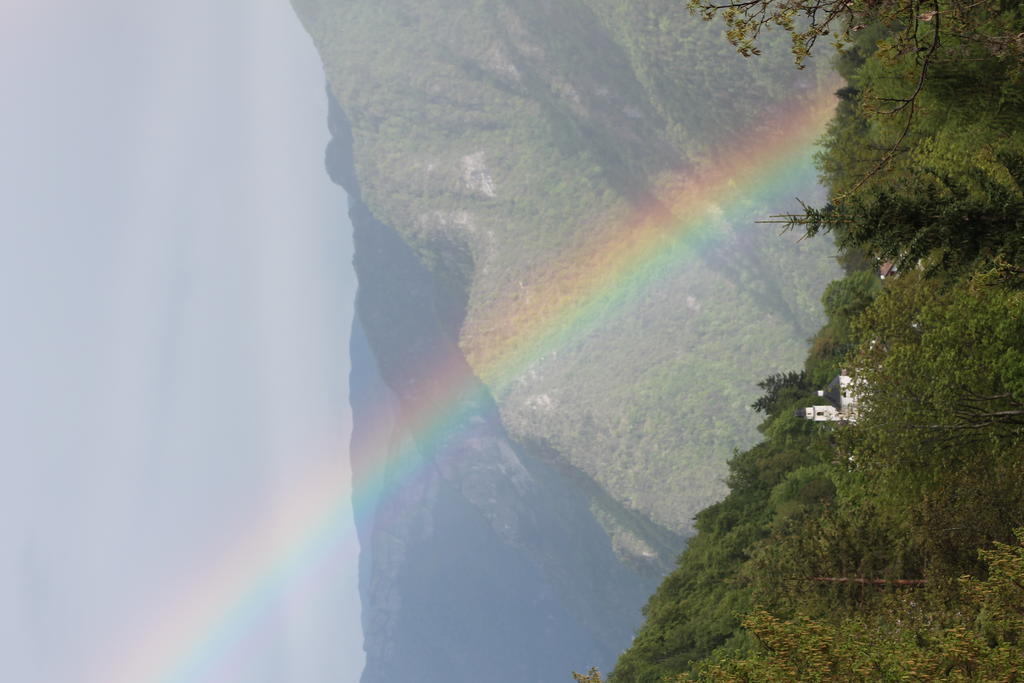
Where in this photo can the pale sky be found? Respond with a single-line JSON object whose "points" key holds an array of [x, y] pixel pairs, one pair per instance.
{"points": [[175, 300]]}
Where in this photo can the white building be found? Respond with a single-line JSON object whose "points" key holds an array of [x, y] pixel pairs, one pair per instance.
{"points": [[842, 402], [819, 413]]}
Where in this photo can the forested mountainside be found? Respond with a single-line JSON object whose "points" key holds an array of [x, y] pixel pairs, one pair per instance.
{"points": [[889, 546], [499, 137]]}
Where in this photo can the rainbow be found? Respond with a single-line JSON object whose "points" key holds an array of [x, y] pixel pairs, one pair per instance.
{"points": [[625, 257], [580, 290]]}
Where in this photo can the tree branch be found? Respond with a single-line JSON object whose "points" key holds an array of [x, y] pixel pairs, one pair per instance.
{"points": [[870, 582]]}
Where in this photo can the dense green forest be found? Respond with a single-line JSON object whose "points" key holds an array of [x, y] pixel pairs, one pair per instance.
{"points": [[889, 547]]}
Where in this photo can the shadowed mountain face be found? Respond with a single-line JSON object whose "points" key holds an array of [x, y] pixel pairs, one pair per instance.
{"points": [[483, 144], [485, 558]]}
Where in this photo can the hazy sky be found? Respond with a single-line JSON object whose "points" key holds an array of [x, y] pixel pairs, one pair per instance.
{"points": [[175, 299]]}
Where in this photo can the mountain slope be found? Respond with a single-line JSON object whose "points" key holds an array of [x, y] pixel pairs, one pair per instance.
{"points": [[498, 137]]}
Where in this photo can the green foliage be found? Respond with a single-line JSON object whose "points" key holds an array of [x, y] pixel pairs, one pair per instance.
{"points": [[853, 547], [846, 298], [843, 301], [980, 642], [925, 157], [946, 371], [953, 221], [780, 388], [923, 35], [825, 526]]}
